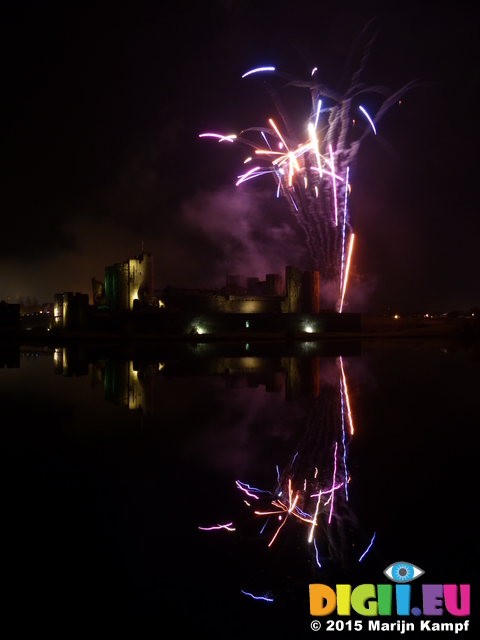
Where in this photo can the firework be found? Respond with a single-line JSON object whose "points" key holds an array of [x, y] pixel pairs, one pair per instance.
{"points": [[347, 269], [367, 549], [217, 527], [312, 174], [266, 597]]}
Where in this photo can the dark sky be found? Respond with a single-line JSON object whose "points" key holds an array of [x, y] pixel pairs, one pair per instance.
{"points": [[102, 105]]}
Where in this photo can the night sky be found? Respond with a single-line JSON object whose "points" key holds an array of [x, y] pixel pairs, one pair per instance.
{"points": [[101, 110]]}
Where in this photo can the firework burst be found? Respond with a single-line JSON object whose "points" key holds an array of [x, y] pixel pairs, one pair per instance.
{"points": [[312, 173]]}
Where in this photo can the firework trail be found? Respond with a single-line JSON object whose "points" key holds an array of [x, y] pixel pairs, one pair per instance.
{"points": [[312, 173]]}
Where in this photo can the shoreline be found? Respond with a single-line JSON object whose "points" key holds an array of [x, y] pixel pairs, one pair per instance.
{"points": [[446, 332]]}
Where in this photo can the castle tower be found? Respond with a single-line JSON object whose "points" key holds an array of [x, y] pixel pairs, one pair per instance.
{"points": [[310, 292], [293, 287], [126, 282]]}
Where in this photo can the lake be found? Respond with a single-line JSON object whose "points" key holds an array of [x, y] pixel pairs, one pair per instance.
{"points": [[210, 484]]}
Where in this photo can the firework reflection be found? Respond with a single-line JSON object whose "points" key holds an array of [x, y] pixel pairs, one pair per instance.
{"points": [[307, 507]]}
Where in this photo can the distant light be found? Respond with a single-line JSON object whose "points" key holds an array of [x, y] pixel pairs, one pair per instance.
{"points": [[258, 70], [200, 330], [247, 324], [309, 329], [247, 347], [396, 317]]}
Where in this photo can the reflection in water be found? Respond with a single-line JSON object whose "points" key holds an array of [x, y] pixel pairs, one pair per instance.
{"points": [[70, 361], [313, 487], [124, 383], [307, 509], [86, 506], [9, 357]]}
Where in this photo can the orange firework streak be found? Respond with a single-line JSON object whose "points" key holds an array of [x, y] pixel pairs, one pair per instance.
{"points": [[346, 270], [346, 396]]}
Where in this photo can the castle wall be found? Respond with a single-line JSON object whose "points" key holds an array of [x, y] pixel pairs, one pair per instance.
{"points": [[275, 284], [185, 323], [310, 296], [140, 278], [75, 310], [58, 310], [98, 290], [128, 281], [293, 290]]}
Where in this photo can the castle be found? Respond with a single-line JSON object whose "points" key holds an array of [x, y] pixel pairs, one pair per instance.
{"points": [[244, 303]]}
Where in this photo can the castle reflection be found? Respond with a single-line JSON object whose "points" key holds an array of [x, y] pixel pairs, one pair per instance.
{"points": [[126, 385], [127, 380], [311, 489], [124, 382]]}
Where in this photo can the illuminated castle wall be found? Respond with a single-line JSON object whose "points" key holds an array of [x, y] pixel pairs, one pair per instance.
{"points": [[126, 282], [70, 310], [299, 294]]}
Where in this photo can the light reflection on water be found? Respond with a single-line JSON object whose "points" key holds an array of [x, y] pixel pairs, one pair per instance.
{"points": [[114, 462]]}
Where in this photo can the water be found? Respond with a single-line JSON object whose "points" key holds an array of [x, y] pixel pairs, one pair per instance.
{"points": [[114, 458]]}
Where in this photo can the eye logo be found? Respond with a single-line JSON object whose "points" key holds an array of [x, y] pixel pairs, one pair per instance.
{"points": [[403, 572]]}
